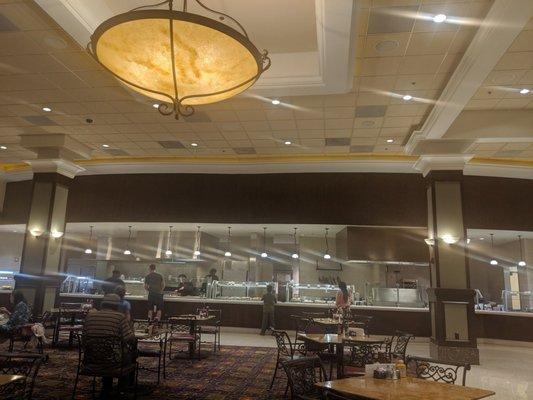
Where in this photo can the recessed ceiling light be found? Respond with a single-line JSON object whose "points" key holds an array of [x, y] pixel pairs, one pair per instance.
{"points": [[288, 142], [407, 97], [3, 147], [439, 18], [47, 109], [155, 105], [105, 146], [194, 144], [276, 102], [390, 140], [524, 91]]}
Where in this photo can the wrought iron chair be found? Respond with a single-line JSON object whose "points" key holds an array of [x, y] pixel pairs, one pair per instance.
{"points": [[395, 347], [300, 326], [361, 321], [105, 356], [356, 356], [24, 334], [152, 347], [211, 327], [181, 333], [69, 320], [285, 352], [26, 364], [428, 368], [302, 375]]}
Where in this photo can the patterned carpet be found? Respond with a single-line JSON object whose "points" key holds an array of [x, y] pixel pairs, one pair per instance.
{"points": [[234, 373]]}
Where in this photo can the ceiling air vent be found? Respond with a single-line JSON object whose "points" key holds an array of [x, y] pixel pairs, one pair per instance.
{"points": [[244, 150], [370, 111], [171, 144], [38, 120], [337, 141], [392, 19], [361, 149], [116, 152]]}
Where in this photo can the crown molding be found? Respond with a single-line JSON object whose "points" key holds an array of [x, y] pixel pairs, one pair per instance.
{"points": [[426, 164], [58, 166]]}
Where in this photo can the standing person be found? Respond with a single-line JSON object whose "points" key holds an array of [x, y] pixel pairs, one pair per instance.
{"points": [[111, 283], [154, 283], [124, 305], [108, 321], [269, 301], [19, 316], [344, 298], [212, 276]]}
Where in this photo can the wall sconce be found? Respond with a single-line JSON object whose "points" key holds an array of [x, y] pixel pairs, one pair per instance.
{"points": [[430, 241], [36, 232], [449, 239], [56, 234]]}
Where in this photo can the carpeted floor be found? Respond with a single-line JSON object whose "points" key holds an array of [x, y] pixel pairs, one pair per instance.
{"points": [[234, 373]]}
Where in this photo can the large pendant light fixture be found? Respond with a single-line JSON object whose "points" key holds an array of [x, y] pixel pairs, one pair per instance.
{"points": [[88, 250], [168, 252], [327, 256], [264, 254], [493, 261], [228, 251], [177, 57], [295, 254], [127, 251], [522, 262], [197, 242]]}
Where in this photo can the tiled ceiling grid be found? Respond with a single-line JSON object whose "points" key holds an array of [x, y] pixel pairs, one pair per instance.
{"points": [[514, 71], [41, 66]]}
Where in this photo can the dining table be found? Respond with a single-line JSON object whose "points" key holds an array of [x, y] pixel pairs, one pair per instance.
{"points": [[365, 343], [408, 388]]}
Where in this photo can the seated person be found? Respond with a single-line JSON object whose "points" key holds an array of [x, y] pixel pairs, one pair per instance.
{"points": [[185, 288], [108, 321], [124, 306], [19, 316]]}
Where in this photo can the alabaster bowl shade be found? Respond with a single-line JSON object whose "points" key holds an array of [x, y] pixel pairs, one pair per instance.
{"points": [[210, 58]]}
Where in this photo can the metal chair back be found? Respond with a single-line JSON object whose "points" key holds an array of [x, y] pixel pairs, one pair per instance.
{"points": [[283, 341], [428, 368], [302, 374], [26, 364]]}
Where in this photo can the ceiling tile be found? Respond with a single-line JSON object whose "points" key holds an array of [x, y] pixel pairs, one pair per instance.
{"points": [[391, 19], [429, 43]]}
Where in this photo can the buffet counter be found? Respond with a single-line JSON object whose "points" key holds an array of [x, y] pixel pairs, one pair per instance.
{"points": [[507, 325]]}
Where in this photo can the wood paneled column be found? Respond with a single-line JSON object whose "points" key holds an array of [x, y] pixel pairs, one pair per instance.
{"points": [[451, 300], [39, 269], [53, 171]]}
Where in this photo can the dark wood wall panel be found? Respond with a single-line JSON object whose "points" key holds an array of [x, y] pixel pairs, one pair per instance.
{"points": [[17, 203], [366, 199], [498, 203]]}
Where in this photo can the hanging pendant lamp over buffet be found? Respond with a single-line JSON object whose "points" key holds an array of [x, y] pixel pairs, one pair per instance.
{"points": [[177, 57]]}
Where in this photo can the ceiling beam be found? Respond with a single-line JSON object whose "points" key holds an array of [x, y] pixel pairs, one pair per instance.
{"points": [[504, 21]]}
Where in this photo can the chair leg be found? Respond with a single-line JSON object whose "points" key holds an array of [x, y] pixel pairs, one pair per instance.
{"points": [[94, 387], [76, 383], [275, 372], [286, 390], [159, 369]]}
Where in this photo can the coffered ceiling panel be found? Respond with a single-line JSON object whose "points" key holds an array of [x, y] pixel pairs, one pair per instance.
{"points": [[399, 51]]}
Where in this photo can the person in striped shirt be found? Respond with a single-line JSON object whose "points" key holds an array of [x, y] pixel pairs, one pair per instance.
{"points": [[109, 321]]}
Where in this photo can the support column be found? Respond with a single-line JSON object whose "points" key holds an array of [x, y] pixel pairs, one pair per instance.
{"points": [[53, 171], [39, 269], [451, 300]]}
